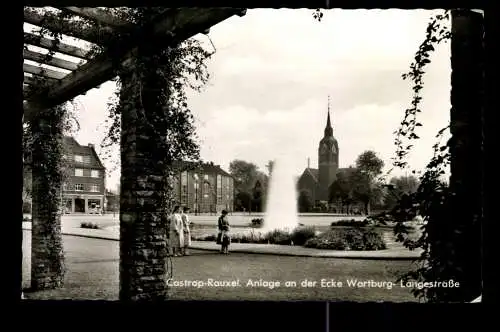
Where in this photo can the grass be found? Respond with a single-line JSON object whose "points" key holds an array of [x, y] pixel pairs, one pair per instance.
{"points": [[92, 274]]}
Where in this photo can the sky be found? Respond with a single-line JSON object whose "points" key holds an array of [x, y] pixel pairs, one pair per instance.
{"points": [[271, 76]]}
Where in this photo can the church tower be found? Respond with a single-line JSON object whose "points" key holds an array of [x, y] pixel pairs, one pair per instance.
{"points": [[328, 159]]}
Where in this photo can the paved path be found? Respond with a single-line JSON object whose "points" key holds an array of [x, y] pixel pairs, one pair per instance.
{"points": [[92, 273], [394, 253]]}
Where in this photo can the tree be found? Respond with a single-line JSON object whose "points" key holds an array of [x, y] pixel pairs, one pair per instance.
{"points": [[399, 186], [305, 202], [342, 189], [258, 197], [366, 186], [269, 166], [245, 176], [369, 163], [244, 173], [27, 187]]}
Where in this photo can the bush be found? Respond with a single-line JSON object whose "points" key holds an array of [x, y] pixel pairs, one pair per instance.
{"points": [[352, 222], [347, 239], [300, 235], [26, 207], [89, 225], [258, 222], [278, 237], [381, 218]]}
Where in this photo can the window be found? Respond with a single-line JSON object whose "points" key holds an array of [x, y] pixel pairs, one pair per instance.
{"points": [[65, 186], [184, 188], [78, 158], [94, 173], [206, 190], [219, 187], [86, 159], [94, 188], [78, 172], [206, 177], [79, 187]]}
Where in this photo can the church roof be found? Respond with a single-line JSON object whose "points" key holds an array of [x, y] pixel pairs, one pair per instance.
{"points": [[314, 171]]}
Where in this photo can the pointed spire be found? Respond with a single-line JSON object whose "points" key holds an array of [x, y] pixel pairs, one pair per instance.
{"points": [[328, 129]]}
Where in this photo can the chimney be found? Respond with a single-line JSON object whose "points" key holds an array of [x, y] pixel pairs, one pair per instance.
{"points": [[91, 145], [308, 162]]}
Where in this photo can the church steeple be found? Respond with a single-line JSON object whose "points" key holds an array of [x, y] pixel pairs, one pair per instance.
{"points": [[328, 128]]}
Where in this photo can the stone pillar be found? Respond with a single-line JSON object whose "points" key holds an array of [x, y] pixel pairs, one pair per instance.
{"points": [[466, 181], [143, 246], [47, 258], [72, 205]]}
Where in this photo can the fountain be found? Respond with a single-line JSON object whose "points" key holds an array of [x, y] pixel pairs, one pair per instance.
{"points": [[281, 205]]}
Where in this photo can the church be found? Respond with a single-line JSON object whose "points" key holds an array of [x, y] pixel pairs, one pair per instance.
{"points": [[317, 181]]}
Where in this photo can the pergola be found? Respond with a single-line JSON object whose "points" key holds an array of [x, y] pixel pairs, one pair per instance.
{"points": [[142, 249], [143, 252]]}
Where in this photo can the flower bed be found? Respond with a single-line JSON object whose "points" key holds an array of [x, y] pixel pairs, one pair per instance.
{"points": [[344, 238]]}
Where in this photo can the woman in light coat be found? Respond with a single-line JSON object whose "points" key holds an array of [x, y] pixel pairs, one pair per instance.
{"points": [[187, 231], [176, 232]]}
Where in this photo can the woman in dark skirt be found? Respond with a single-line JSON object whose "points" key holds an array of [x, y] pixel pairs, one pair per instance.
{"points": [[224, 237]]}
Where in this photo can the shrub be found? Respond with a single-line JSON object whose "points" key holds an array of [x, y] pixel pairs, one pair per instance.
{"points": [[258, 222], [89, 225], [300, 235], [278, 237], [381, 218], [352, 222], [347, 239], [26, 207]]}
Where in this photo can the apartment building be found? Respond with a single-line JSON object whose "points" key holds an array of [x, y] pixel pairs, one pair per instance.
{"points": [[204, 189], [84, 190]]}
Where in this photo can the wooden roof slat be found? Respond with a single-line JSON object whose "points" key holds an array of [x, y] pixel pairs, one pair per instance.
{"points": [[32, 39], [67, 28], [55, 62], [28, 80], [97, 15], [45, 72], [174, 27]]}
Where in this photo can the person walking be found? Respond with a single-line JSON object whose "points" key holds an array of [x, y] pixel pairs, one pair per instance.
{"points": [[176, 232], [187, 231], [224, 238]]}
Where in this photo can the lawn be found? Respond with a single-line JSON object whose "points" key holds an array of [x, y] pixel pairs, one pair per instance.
{"points": [[92, 266]]}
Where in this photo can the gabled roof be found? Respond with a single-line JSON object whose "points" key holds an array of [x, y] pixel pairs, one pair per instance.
{"points": [[208, 167], [313, 172], [71, 145]]}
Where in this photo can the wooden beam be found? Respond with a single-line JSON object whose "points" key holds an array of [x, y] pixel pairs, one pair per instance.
{"points": [[45, 72], [50, 44], [55, 62], [50, 21], [29, 80], [97, 15], [185, 24]]}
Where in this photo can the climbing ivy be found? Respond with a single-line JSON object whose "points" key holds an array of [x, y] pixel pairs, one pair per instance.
{"points": [[155, 80], [432, 199], [157, 75], [43, 133]]}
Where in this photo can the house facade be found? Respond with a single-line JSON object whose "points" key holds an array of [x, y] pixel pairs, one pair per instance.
{"points": [[205, 188], [84, 189]]}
